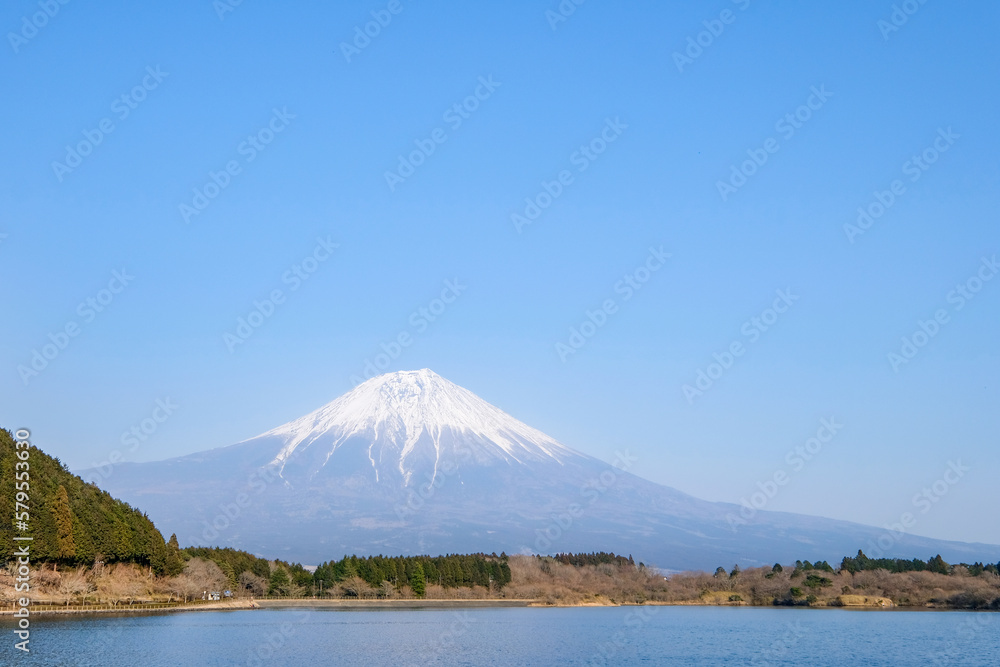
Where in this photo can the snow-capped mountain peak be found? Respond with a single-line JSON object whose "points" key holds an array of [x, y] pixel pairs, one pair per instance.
{"points": [[409, 420]]}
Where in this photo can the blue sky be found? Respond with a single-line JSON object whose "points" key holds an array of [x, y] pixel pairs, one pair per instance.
{"points": [[201, 85]]}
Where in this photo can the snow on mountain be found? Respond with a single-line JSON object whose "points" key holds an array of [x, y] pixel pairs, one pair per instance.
{"points": [[411, 463], [410, 417]]}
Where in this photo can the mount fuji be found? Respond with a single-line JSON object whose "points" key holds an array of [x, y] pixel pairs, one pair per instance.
{"points": [[410, 463]]}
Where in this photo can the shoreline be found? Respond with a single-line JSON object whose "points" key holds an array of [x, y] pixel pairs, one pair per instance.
{"points": [[415, 604], [246, 605], [137, 609], [362, 605]]}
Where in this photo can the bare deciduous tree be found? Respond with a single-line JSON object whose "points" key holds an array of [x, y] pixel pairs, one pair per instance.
{"points": [[199, 577], [251, 584]]}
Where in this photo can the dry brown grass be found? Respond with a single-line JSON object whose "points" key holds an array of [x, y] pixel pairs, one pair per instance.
{"points": [[555, 583], [118, 583], [549, 582]]}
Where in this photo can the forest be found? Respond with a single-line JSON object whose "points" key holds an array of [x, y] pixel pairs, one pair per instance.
{"points": [[87, 547], [452, 571], [70, 521]]}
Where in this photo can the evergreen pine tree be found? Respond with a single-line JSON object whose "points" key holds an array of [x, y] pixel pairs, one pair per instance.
{"points": [[279, 582], [65, 545], [174, 562], [938, 565], [418, 582]]}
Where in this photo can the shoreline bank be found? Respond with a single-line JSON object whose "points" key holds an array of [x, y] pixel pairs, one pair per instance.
{"points": [[244, 605], [413, 604], [356, 605]]}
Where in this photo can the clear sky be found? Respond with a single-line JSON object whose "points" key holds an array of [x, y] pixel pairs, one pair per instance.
{"points": [[739, 138]]}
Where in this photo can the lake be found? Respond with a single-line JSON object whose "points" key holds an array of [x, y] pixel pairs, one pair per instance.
{"points": [[514, 636]]}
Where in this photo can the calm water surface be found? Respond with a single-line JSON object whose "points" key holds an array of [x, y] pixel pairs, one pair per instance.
{"points": [[495, 637]]}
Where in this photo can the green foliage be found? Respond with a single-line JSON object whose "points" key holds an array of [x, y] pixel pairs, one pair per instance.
{"points": [[595, 558], [279, 584], [815, 581], [861, 563], [301, 576], [796, 592], [938, 565], [173, 560], [449, 571], [71, 521], [418, 581], [802, 567], [63, 518], [234, 562]]}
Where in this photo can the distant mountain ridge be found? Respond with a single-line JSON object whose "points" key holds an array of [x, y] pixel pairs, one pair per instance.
{"points": [[411, 463]]}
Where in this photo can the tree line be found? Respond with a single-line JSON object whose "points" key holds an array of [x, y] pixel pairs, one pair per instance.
{"points": [[594, 558], [862, 563], [450, 571]]}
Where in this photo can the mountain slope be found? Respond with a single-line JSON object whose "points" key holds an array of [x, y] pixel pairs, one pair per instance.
{"points": [[410, 463], [68, 520], [410, 422]]}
